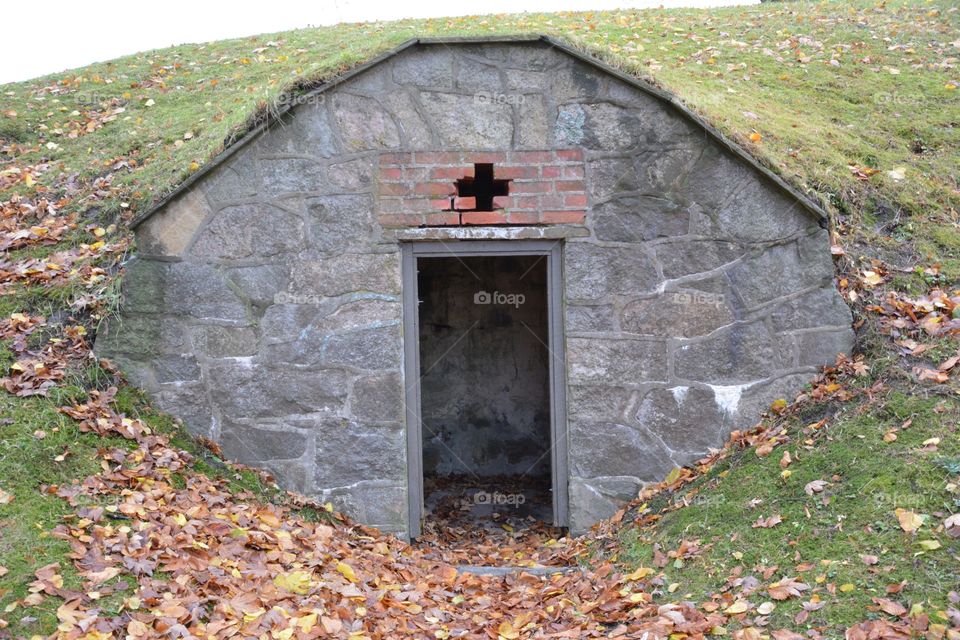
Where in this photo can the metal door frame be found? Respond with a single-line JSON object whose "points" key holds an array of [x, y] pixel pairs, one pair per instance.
{"points": [[552, 250]]}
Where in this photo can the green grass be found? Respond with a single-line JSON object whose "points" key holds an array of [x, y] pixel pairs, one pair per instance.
{"points": [[854, 516], [33, 434], [886, 105]]}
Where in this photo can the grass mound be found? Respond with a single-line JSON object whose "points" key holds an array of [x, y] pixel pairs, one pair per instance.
{"points": [[855, 103]]}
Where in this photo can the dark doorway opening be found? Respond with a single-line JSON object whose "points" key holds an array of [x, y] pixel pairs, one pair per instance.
{"points": [[483, 324]]}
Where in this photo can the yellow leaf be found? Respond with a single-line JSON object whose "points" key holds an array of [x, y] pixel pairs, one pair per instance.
{"points": [[640, 573], [929, 545], [740, 606], [847, 588], [347, 571], [673, 476], [506, 630], [909, 521], [294, 582]]}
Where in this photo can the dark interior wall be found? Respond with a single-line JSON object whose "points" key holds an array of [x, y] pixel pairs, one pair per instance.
{"points": [[484, 365]]}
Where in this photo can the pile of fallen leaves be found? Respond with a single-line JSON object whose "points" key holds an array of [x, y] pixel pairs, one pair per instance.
{"points": [[189, 559]]}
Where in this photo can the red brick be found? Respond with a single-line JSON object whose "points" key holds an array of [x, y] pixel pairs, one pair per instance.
{"points": [[502, 202], [514, 172], [394, 189], [435, 189], [575, 200], [551, 171], [525, 202], [441, 203], [485, 157], [465, 202], [570, 185], [415, 174], [531, 157], [523, 217], [437, 157], [395, 220], [442, 219], [573, 171], [563, 217], [531, 187], [391, 173], [551, 201], [569, 155], [484, 217], [451, 173]]}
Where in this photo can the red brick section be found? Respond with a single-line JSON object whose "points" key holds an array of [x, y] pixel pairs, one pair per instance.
{"points": [[416, 189]]}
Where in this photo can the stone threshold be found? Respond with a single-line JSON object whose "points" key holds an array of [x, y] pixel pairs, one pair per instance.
{"points": [[509, 571], [550, 232]]}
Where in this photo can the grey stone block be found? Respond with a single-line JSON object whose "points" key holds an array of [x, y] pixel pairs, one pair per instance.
{"points": [[352, 175], [683, 314], [598, 402], [468, 122], [639, 218], [349, 452], [175, 368], [593, 318], [260, 284], [594, 272], [341, 222], [190, 403], [782, 270], [364, 124], [378, 398], [280, 176], [377, 348], [257, 443], [615, 362], [609, 448], [242, 390], [425, 68], [216, 341], [348, 273], [687, 419], [249, 230], [680, 259], [379, 504], [201, 292], [821, 307], [739, 354], [821, 347]]}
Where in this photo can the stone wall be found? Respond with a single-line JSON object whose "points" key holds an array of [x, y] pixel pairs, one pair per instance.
{"points": [[264, 307]]}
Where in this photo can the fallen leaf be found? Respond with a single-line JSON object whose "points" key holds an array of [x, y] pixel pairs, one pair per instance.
{"points": [[909, 521]]}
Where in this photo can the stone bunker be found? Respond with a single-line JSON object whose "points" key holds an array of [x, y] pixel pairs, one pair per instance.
{"points": [[496, 259]]}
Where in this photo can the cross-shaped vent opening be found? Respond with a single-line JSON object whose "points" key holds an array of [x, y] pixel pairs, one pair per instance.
{"points": [[482, 186]]}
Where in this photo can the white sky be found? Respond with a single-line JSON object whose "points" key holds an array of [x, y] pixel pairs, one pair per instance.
{"points": [[53, 36]]}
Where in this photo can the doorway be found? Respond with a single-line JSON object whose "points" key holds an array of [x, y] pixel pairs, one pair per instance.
{"points": [[485, 403]]}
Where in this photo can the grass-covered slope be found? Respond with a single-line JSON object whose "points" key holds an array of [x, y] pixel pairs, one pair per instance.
{"points": [[855, 103]]}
